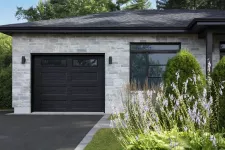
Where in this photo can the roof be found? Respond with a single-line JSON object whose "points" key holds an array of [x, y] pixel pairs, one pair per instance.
{"points": [[175, 18]]}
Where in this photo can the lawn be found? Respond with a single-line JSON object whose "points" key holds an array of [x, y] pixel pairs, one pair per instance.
{"points": [[104, 139]]}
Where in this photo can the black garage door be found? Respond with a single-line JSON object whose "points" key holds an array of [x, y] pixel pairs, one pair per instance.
{"points": [[68, 83]]}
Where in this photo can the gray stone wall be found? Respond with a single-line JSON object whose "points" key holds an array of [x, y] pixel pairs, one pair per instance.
{"points": [[117, 46]]}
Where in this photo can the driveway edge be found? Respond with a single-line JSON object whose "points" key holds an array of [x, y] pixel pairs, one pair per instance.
{"points": [[102, 123]]}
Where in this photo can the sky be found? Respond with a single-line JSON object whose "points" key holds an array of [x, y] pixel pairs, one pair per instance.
{"points": [[8, 9]]}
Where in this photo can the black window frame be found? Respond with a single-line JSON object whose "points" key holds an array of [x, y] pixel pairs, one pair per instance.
{"points": [[147, 52]]}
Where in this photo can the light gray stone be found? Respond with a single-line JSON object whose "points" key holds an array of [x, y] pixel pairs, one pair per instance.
{"points": [[117, 46]]}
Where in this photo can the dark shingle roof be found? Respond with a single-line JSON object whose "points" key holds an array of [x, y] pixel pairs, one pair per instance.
{"points": [[138, 18]]}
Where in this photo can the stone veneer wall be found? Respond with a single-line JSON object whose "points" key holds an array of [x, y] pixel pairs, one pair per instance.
{"points": [[117, 46]]}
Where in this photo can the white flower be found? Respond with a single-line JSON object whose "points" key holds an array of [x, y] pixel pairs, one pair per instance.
{"points": [[136, 137], [173, 144], [177, 75], [177, 102], [149, 94], [185, 86], [171, 97], [126, 116], [213, 139], [204, 120], [221, 92], [204, 92], [199, 78], [165, 103], [174, 86], [194, 77], [211, 100], [209, 66], [181, 118], [146, 108], [185, 128]]}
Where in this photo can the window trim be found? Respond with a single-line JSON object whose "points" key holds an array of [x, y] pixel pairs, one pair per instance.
{"points": [[151, 52]]}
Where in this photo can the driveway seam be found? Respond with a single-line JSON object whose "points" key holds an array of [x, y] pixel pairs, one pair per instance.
{"points": [[102, 123]]}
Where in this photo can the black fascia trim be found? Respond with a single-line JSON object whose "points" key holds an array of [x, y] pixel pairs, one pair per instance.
{"points": [[196, 21], [117, 30], [211, 23]]}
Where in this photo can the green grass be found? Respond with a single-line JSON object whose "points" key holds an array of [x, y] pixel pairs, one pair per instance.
{"points": [[104, 139], [112, 117]]}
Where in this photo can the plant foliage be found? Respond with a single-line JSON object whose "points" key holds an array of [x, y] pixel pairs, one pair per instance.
{"points": [[218, 76], [51, 9], [177, 124], [5, 72], [185, 64]]}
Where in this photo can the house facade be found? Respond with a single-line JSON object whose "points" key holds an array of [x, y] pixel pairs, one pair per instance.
{"points": [[81, 64]]}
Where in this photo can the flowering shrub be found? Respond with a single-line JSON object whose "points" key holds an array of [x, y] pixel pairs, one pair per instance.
{"points": [[218, 75], [156, 120], [186, 63]]}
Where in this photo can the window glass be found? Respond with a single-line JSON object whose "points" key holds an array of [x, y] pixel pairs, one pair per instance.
{"points": [[222, 46], [139, 68], [148, 65], [159, 59], [154, 82], [156, 71], [53, 62], [85, 62]]}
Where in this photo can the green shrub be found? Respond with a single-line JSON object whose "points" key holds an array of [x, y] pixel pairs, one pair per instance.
{"points": [[5, 72], [175, 140], [186, 64], [218, 76], [6, 88]]}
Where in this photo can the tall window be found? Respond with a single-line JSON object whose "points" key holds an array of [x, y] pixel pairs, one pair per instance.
{"points": [[148, 61], [222, 49]]}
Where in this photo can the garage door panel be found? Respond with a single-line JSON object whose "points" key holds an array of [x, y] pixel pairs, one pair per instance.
{"points": [[57, 105], [85, 98], [86, 104], [53, 109], [47, 90], [84, 90], [68, 83], [84, 83], [54, 76], [84, 76], [53, 98], [75, 109]]}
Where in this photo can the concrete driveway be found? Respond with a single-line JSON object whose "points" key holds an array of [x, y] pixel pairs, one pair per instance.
{"points": [[44, 132]]}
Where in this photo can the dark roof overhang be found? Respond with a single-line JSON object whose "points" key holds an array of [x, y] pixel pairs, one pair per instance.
{"points": [[196, 25], [93, 30], [200, 24]]}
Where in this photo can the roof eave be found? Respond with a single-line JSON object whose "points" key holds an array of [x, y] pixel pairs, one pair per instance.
{"points": [[96, 30]]}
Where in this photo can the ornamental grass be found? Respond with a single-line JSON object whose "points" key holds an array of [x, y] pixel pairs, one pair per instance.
{"points": [[154, 119]]}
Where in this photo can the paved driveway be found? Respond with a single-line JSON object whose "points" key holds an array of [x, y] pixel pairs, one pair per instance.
{"points": [[40, 132]]}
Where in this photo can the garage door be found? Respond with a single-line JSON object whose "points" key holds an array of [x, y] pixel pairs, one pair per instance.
{"points": [[68, 83]]}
